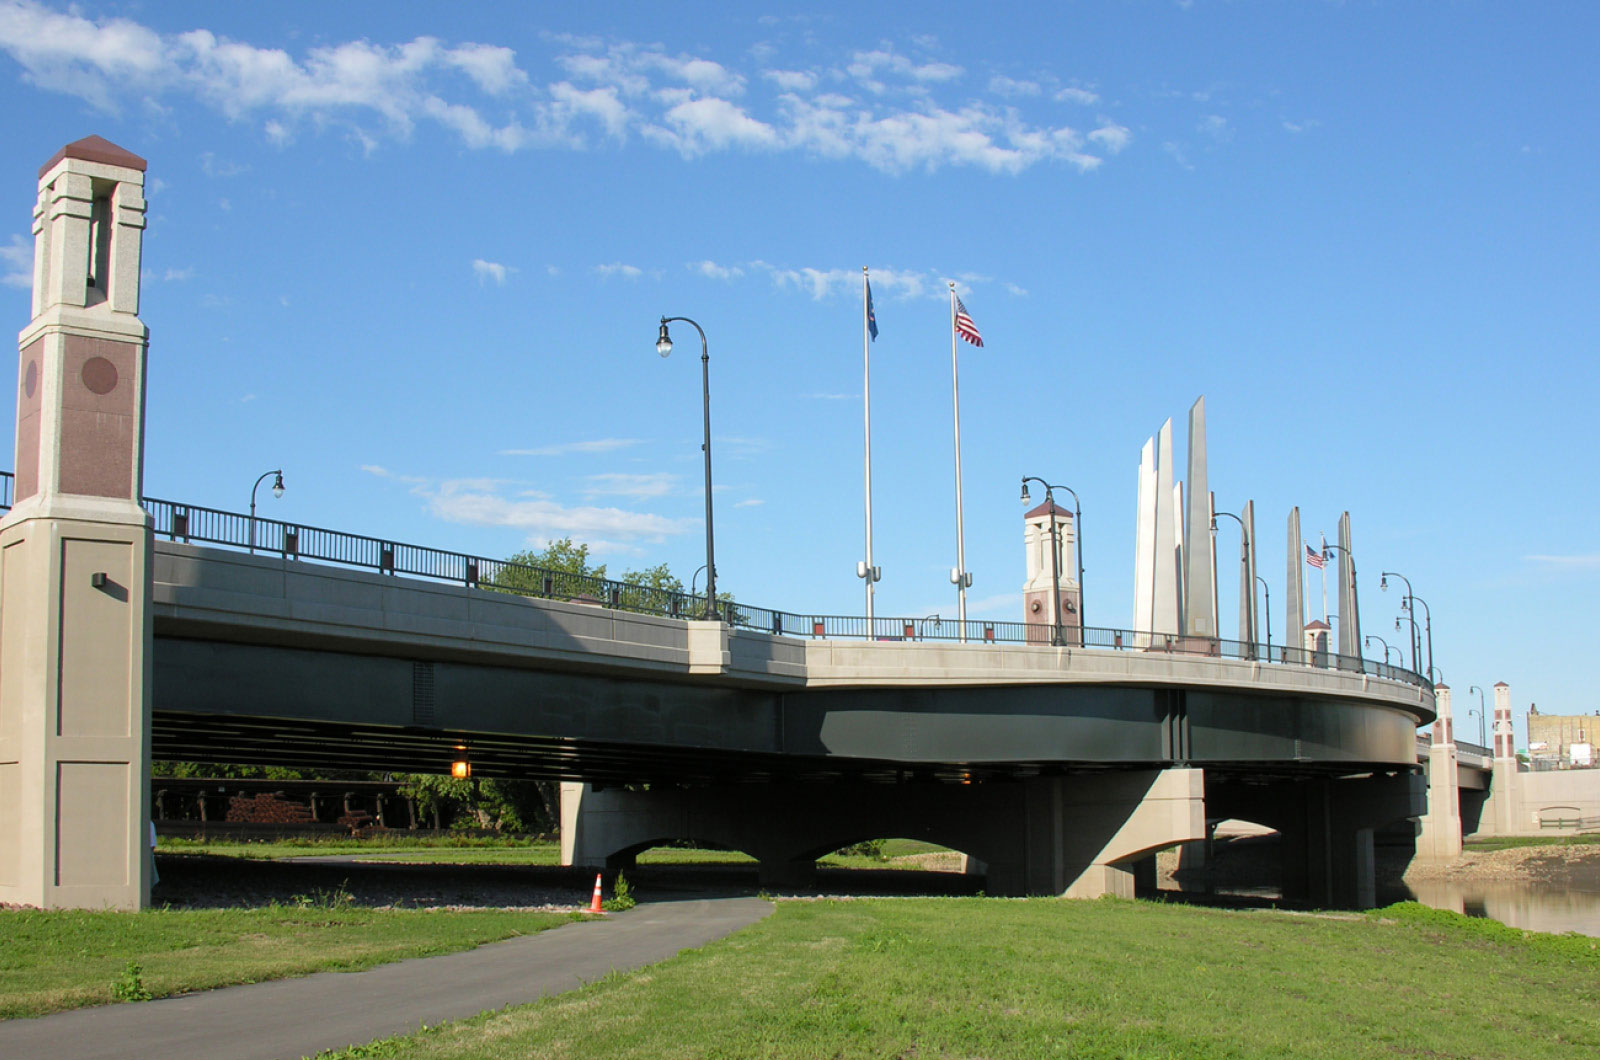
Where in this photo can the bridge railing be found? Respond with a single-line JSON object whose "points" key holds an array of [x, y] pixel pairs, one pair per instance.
{"points": [[212, 526]]}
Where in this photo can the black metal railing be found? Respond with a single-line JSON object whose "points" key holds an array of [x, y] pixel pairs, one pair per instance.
{"points": [[212, 526]]}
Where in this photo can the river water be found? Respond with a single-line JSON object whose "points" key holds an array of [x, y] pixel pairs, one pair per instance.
{"points": [[1531, 906]]}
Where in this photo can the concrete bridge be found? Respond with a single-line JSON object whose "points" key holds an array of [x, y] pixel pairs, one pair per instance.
{"points": [[132, 628]]}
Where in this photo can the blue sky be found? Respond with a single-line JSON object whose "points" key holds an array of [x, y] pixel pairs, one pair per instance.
{"points": [[415, 254]]}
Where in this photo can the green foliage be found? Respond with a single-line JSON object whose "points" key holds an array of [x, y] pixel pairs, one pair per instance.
{"points": [[491, 803], [185, 770], [325, 898], [622, 898], [129, 986], [867, 848]]}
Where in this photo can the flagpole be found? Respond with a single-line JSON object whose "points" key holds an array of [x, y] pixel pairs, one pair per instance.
{"points": [[871, 573], [1324, 570], [961, 540]]}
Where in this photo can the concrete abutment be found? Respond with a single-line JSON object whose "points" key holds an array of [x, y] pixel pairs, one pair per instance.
{"points": [[1071, 835]]}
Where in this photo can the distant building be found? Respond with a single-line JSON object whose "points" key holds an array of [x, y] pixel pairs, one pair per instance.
{"points": [[1562, 741]]}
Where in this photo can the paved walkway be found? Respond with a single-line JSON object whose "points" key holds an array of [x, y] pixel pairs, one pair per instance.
{"points": [[292, 1018]]}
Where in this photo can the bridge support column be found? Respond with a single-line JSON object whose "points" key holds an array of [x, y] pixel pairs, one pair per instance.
{"points": [[75, 554], [1328, 845], [1439, 830], [1072, 835]]}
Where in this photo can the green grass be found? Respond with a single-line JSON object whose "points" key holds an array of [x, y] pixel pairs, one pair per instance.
{"points": [[1046, 978], [60, 960], [477, 851], [1508, 842]]}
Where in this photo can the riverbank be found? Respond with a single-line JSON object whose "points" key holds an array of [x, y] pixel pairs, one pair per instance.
{"points": [[1561, 865]]}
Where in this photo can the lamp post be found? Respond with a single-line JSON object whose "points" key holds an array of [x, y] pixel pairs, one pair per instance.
{"points": [[277, 491], [1405, 604], [1244, 539], [1386, 648], [1055, 554], [1266, 595], [1479, 712], [664, 348]]}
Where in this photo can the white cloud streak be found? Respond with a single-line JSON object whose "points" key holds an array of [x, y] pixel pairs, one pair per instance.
{"points": [[594, 93], [595, 445], [16, 263], [490, 271]]}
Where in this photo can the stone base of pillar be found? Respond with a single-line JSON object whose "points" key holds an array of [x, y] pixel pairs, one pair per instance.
{"points": [[74, 709]]}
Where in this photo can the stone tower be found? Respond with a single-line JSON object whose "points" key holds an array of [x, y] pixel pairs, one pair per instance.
{"points": [[75, 553], [1038, 611]]}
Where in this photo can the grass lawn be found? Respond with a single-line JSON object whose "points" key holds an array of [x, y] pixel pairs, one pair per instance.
{"points": [[1508, 841], [472, 851], [69, 959], [1027, 979]]}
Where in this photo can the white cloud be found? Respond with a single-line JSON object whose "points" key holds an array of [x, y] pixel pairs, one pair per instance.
{"points": [[595, 445], [896, 283], [1111, 137], [791, 80], [695, 126], [1077, 95], [752, 502], [373, 93], [1005, 86], [212, 166], [1588, 561], [178, 275], [16, 259], [490, 270], [866, 67], [639, 487], [712, 270], [1216, 127], [484, 502], [617, 268]]}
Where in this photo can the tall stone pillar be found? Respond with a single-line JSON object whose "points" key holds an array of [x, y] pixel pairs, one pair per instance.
{"points": [[1439, 834], [1294, 613], [75, 553], [1039, 612], [1200, 561], [1349, 605], [1505, 793]]}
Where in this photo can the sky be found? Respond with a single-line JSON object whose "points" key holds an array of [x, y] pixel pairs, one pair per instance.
{"points": [[415, 255]]}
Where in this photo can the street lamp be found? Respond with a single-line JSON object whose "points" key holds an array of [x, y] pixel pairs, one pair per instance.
{"points": [[1479, 712], [1244, 538], [1405, 605], [664, 348], [1055, 553], [1386, 648], [1266, 595], [277, 491]]}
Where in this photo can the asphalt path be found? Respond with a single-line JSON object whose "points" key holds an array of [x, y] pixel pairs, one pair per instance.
{"points": [[292, 1018]]}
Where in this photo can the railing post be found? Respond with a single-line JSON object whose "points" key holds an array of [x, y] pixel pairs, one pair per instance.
{"points": [[472, 572], [291, 541], [386, 558]]}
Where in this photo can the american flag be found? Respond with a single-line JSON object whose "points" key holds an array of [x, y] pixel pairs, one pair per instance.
{"points": [[1315, 558], [964, 325]]}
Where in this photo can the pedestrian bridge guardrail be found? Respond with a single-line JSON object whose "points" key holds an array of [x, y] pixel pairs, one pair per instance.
{"points": [[193, 523]]}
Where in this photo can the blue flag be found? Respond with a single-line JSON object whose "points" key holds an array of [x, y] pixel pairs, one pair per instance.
{"points": [[872, 318]]}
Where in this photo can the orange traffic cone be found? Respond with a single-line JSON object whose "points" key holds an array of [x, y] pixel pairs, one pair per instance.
{"points": [[594, 903]]}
